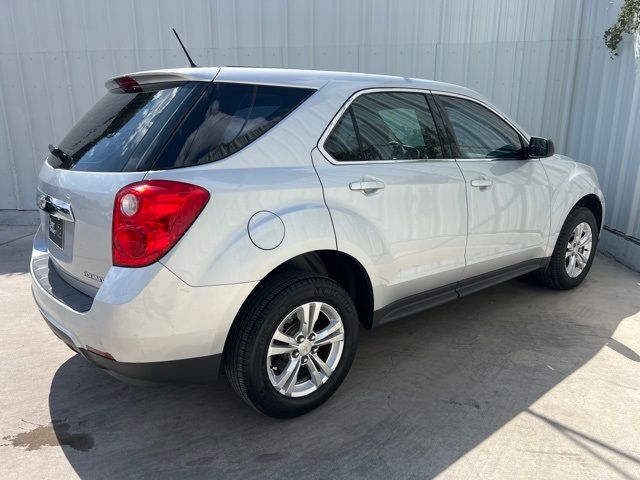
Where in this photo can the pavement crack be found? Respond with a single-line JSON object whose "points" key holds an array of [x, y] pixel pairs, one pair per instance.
{"points": [[15, 239]]}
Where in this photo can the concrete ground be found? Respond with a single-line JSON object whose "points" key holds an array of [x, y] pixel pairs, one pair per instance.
{"points": [[515, 382]]}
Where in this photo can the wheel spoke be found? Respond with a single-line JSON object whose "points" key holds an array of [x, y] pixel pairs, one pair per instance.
{"points": [[293, 379], [280, 350], [308, 314], [571, 268], [284, 338], [585, 240], [302, 313], [288, 378], [323, 367], [314, 314], [316, 376], [582, 260], [333, 338], [329, 334]]}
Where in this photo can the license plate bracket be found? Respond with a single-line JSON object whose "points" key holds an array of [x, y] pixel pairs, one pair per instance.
{"points": [[56, 231]]}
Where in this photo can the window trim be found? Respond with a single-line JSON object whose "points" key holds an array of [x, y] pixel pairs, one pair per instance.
{"points": [[267, 83], [356, 129], [347, 105], [523, 136]]}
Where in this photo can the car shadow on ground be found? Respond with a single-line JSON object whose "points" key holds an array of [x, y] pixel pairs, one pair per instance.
{"points": [[423, 391]]}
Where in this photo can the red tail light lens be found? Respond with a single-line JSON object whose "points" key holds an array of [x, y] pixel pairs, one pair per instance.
{"points": [[128, 84], [149, 217]]}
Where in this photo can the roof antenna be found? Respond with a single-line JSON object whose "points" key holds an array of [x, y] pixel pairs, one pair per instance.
{"points": [[193, 65]]}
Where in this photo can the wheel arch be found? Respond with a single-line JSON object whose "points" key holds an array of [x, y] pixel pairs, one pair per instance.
{"points": [[343, 269], [593, 203], [340, 267]]}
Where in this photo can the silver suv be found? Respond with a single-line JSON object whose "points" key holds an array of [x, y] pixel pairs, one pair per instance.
{"points": [[250, 221]]}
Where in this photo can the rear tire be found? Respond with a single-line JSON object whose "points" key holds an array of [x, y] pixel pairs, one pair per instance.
{"points": [[320, 355], [569, 252]]}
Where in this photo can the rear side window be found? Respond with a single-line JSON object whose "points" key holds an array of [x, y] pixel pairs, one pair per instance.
{"points": [[343, 143], [118, 130], [385, 126], [479, 132], [227, 118]]}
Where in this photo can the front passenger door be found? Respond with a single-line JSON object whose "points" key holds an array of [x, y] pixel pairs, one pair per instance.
{"points": [[398, 205], [508, 195]]}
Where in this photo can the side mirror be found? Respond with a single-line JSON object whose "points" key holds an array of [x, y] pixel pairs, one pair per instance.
{"points": [[540, 148]]}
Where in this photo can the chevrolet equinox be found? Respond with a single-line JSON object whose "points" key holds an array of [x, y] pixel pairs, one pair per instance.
{"points": [[249, 220]]}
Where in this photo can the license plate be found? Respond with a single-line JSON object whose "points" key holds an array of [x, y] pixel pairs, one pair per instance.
{"points": [[56, 231]]}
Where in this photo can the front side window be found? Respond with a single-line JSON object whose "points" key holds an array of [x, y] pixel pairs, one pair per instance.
{"points": [[385, 126], [479, 132]]}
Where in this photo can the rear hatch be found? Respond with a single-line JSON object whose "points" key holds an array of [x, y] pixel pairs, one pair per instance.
{"points": [[113, 145]]}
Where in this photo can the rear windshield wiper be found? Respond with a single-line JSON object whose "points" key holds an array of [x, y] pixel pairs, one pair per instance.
{"points": [[65, 158]]}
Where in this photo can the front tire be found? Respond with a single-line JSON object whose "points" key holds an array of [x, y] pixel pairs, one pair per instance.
{"points": [[574, 251], [292, 344]]}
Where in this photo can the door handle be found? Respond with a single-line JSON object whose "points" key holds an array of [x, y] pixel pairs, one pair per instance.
{"points": [[481, 183], [367, 186]]}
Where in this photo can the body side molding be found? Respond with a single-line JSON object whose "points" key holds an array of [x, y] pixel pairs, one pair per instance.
{"points": [[432, 298]]}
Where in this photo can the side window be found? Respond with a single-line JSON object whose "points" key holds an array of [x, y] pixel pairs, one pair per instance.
{"points": [[227, 118], [479, 132], [385, 126], [342, 144]]}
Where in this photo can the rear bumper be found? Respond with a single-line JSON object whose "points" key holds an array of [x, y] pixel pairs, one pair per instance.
{"points": [[155, 326], [190, 370]]}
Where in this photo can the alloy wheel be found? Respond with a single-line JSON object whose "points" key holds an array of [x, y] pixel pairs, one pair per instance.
{"points": [[578, 249], [305, 349]]}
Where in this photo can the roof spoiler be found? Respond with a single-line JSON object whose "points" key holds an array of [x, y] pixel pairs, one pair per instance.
{"points": [[130, 80]]}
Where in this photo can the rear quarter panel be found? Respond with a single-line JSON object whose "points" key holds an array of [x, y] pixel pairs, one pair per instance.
{"points": [[217, 248], [274, 174]]}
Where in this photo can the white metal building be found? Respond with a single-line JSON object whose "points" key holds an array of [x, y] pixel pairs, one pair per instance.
{"points": [[542, 61]]}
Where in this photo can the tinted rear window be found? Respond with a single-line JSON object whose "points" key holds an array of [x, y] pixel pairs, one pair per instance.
{"points": [[227, 118], [116, 134]]}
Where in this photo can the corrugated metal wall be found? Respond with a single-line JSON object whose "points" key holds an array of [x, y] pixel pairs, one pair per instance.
{"points": [[542, 61], [603, 128]]}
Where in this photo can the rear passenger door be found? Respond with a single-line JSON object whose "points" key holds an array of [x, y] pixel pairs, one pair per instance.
{"points": [[508, 194], [397, 202]]}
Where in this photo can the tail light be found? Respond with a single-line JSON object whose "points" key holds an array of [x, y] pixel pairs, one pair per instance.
{"points": [[149, 217], [128, 84]]}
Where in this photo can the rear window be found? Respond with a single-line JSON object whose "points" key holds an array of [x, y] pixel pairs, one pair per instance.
{"points": [[118, 132], [227, 118]]}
